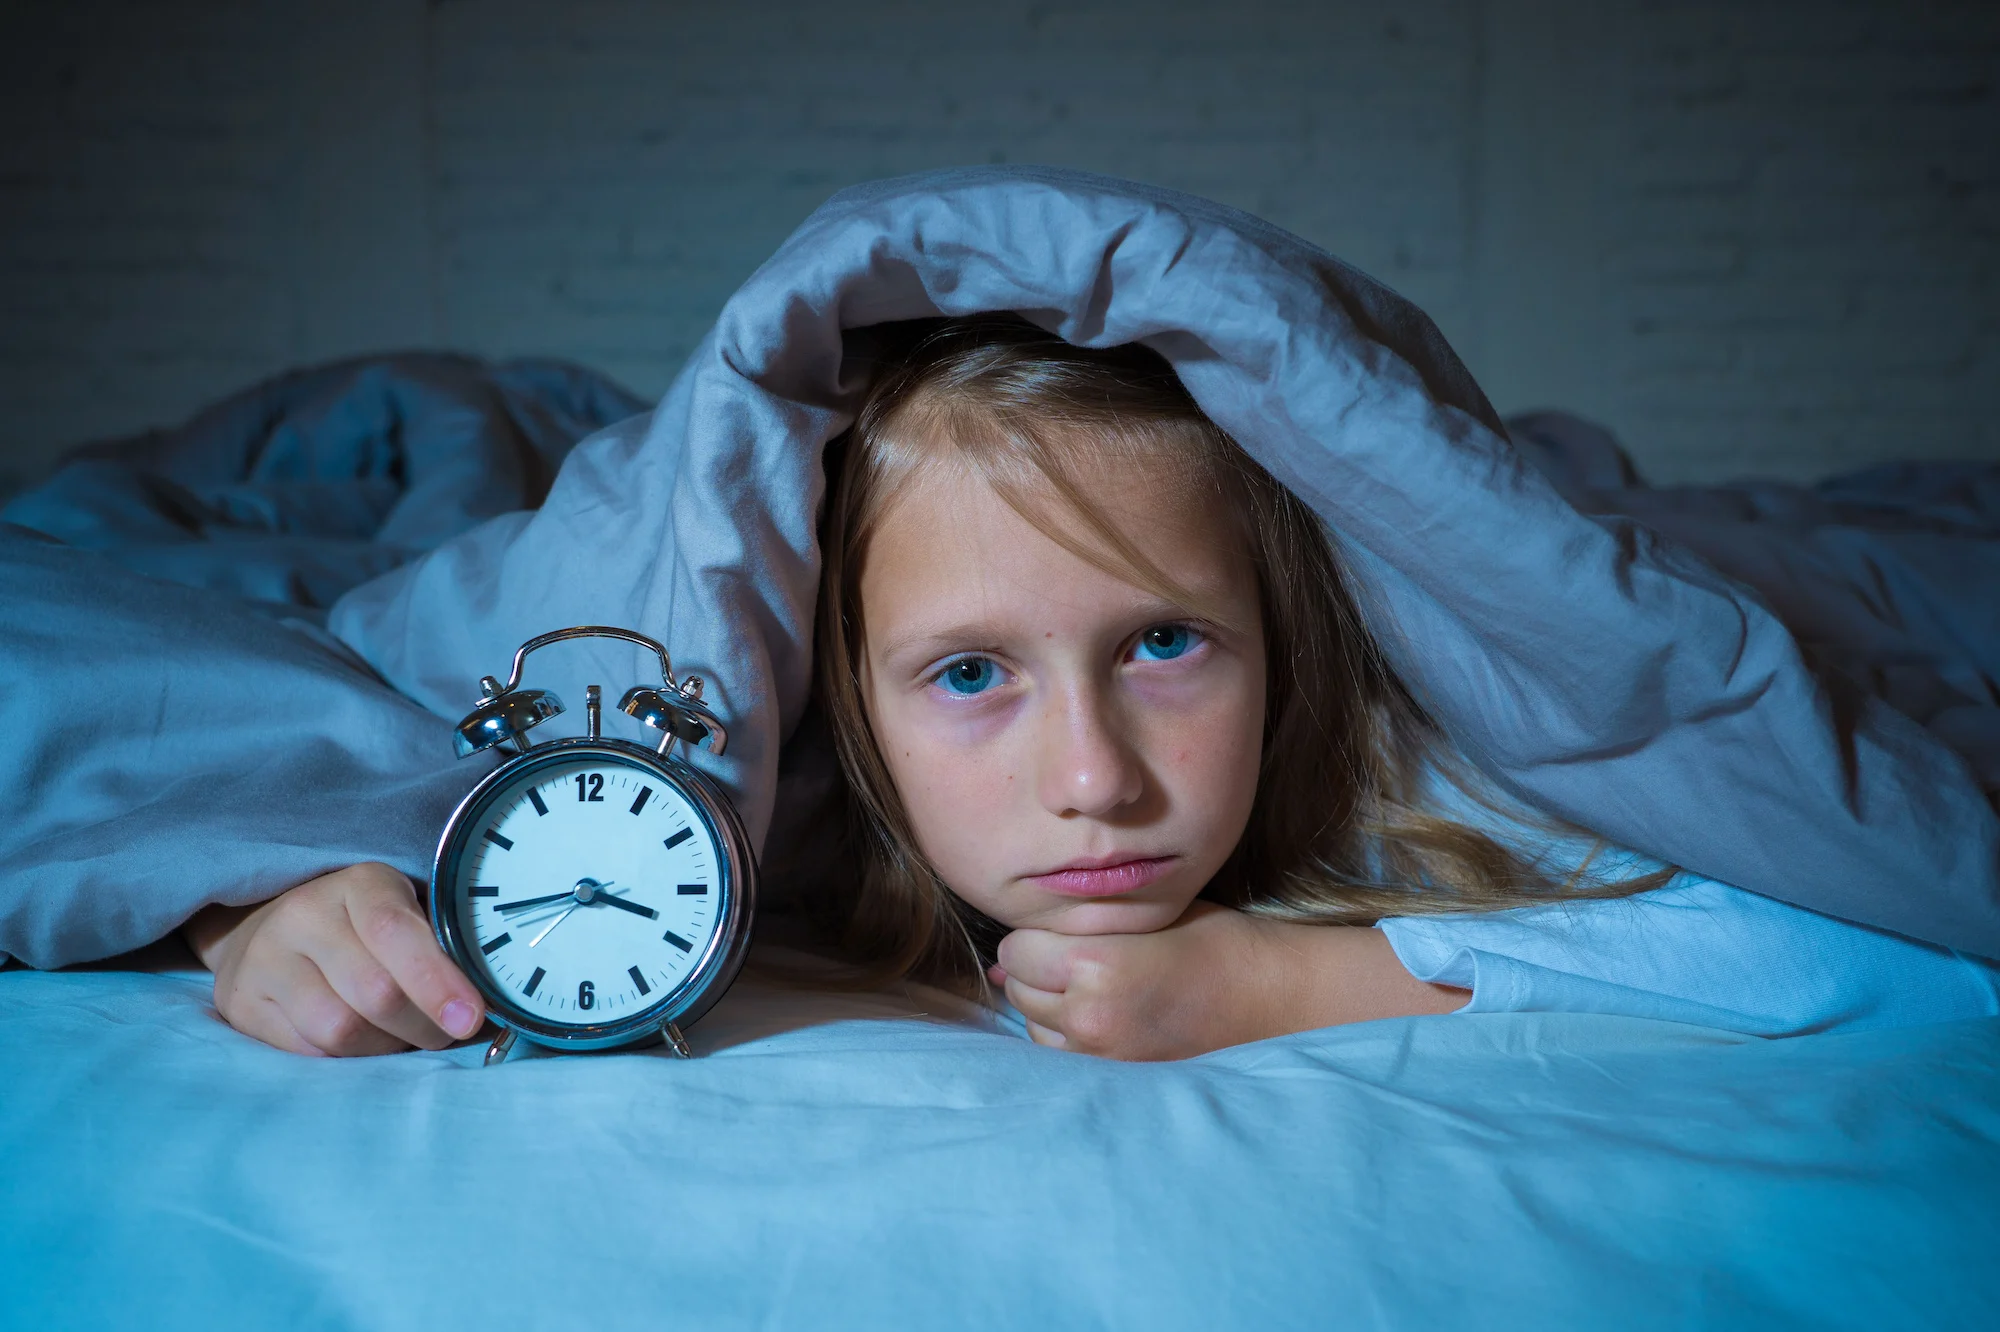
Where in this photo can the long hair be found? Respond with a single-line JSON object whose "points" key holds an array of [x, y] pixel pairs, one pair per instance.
{"points": [[1342, 830]]}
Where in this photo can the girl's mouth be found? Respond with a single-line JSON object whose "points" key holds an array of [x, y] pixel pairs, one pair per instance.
{"points": [[1104, 877]]}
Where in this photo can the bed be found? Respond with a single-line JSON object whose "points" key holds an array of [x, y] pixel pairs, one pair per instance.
{"points": [[895, 1160], [235, 652]]}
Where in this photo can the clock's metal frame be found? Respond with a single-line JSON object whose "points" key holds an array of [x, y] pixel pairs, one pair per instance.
{"points": [[722, 957]]}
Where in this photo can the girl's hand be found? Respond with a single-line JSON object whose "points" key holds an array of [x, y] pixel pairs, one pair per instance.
{"points": [[1213, 978], [344, 964]]}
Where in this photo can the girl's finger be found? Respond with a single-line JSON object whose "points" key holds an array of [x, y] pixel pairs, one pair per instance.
{"points": [[1041, 1035], [1039, 957], [383, 913], [1038, 1006], [262, 1019], [320, 1015], [367, 987]]}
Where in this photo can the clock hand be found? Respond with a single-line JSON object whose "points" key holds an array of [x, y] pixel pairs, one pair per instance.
{"points": [[528, 919], [552, 924], [527, 902], [606, 899], [584, 892]]}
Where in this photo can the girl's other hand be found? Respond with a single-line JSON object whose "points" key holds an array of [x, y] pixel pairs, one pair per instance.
{"points": [[344, 964], [1213, 978]]}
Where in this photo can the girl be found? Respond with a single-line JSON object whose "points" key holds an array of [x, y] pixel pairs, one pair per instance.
{"points": [[1117, 742]]}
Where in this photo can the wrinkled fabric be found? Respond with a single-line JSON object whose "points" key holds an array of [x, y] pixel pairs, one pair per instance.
{"points": [[176, 729], [294, 491], [1888, 577], [1693, 951], [167, 747], [1701, 953], [833, 1163]]}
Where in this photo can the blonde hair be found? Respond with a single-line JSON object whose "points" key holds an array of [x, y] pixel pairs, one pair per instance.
{"points": [[1338, 833]]}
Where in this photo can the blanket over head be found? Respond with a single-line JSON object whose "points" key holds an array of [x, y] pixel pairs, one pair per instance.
{"points": [[1603, 674], [1596, 669]]}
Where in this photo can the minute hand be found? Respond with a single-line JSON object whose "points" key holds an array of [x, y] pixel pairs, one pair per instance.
{"points": [[527, 902]]}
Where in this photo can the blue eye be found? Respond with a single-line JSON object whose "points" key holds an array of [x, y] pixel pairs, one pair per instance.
{"points": [[969, 675], [1164, 642]]}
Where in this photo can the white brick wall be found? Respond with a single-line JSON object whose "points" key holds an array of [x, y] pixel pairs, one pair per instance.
{"points": [[1751, 236]]}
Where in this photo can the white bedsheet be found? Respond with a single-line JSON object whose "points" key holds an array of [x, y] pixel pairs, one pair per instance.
{"points": [[836, 1162]]}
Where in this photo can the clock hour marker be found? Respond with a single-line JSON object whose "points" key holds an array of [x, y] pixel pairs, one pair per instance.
{"points": [[535, 799], [533, 981], [484, 890], [679, 837], [493, 945], [640, 803], [677, 941], [638, 980], [504, 843], [691, 889]]}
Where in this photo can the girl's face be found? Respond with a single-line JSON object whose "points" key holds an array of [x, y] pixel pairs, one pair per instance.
{"points": [[1073, 752]]}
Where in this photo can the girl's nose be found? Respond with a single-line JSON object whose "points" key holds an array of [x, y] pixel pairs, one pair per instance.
{"points": [[1086, 768]]}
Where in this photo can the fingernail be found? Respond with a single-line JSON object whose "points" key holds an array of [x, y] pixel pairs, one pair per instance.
{"points": [[997, 974], [459, 1019]]}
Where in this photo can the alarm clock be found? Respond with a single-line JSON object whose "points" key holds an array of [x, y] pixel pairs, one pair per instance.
{"points": [[598, 892]]}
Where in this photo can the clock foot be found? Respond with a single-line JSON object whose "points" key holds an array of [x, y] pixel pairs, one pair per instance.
{"points": [[503, 1044], [675, 1041]]}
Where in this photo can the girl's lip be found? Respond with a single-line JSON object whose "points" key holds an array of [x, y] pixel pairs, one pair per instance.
{"points": [[1104, 877]]}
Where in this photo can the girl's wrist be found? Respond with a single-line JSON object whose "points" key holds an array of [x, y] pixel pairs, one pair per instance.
{"points": [[212, 931], [1322, 975]]}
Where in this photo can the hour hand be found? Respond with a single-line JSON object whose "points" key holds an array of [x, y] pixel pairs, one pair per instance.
{"points": [[607, 899], [527, 902]]}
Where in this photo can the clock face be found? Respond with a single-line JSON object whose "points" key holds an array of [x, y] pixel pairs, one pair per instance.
{"points": [[587, 891]]}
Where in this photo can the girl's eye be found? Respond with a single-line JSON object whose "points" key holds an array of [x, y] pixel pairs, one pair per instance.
{"points": [[969, 675], [1164, 642]]}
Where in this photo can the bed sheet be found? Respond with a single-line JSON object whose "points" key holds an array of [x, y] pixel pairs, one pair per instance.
{"points": [[894, 1160]]}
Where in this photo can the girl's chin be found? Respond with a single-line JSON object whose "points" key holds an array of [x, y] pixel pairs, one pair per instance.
{"points": [[1107, 915]]}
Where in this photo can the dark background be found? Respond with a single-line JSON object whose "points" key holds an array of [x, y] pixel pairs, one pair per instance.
{"points": [[1751, 237]]}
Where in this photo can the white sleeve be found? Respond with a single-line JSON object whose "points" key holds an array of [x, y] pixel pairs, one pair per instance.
{"points": [[1700, 952]]}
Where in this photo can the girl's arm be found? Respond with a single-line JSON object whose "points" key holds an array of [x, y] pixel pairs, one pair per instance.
{"points": [[1215, 977], [344, 964]]}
